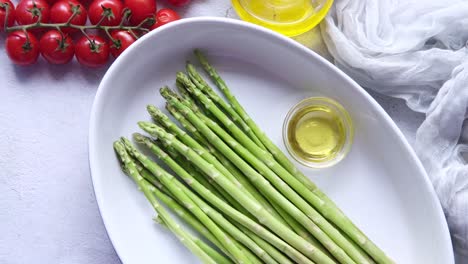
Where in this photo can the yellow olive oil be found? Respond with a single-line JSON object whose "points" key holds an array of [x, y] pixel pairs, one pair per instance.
{"points": [[289, 17], [316, 133]]}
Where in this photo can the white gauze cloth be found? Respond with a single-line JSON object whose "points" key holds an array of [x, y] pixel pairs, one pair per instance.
{"points": [[415, 50]]}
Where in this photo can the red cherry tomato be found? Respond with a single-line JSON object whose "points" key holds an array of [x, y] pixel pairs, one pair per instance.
{"points": [[179, 2], [111, 9], [164, 16], [11, 13], [55, 48], [28, 11], [141, 9], [51, 2], [122, 40], [22, 48], [94, 53], [64, 9]]}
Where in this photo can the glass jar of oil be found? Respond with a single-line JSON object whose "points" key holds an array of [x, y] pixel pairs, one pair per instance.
{"points": [[318, 132]]}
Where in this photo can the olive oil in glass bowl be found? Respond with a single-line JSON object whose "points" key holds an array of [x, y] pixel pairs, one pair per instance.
{"points": [[318, 132], [288, 17]]}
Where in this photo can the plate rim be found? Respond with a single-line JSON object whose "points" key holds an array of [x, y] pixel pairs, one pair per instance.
{"points": [[98, 101]]}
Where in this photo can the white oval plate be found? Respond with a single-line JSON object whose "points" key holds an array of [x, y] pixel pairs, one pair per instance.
{"points": [[380, 185]]}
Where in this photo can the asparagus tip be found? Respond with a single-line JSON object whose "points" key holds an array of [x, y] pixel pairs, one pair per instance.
{"points": [[119, 149], [151, 108], [200, 56], [168, 94], [182, 76], [154, 111], [125, 142], [139, 138], [144, 124], [120, 152]]}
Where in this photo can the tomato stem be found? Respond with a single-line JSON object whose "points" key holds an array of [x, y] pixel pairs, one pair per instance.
{"points": [[27, 45], [133, 34], [109, 35], [126, 14], [81, 28], [37, 12], [76, 11], [5, 6]]}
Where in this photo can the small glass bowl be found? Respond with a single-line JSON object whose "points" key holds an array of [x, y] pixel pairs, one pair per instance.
{"points": [[320, 113], [288, 17]]}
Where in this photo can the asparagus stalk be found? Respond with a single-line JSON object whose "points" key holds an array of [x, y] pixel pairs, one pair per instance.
{"points": [[199, 188], [176, 185], [327, 234], [164, 196], [203, 86], [172, 185], [270, 206], [198, 176], [277, 255], [218, 258], [224, 168], [296, 227], [158, 115], [186, 97], [328, 207], [251, 205], [184, 214], [147, 189], [184, 94], [301, 231]]}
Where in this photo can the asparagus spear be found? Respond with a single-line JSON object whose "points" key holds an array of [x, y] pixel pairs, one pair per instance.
{"points": [[164, 196], [328, 207], [218, 258], [301, 231], [296, 227], [171, 184], [187, 217], [196, 186], [252, 206], [197, 202], [203, 86], [198, 176], [268, 167], [222, 167], [317, 225], [147, 189]]}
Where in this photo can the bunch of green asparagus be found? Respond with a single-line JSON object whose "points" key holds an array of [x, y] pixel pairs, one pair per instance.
{"points": [[233, 185]]}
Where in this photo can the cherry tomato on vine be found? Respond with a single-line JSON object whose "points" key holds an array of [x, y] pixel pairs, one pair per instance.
{"points": [[63, 10], [179, 2], [22, 48], [11, 13], [122, 40], [164, 16], [141, 9], [55, 48], [29, 11], [92, 52], [111, 9]]}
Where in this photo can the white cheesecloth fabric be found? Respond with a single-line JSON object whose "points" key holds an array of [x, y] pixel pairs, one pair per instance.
{"points": [[415, 50]]}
